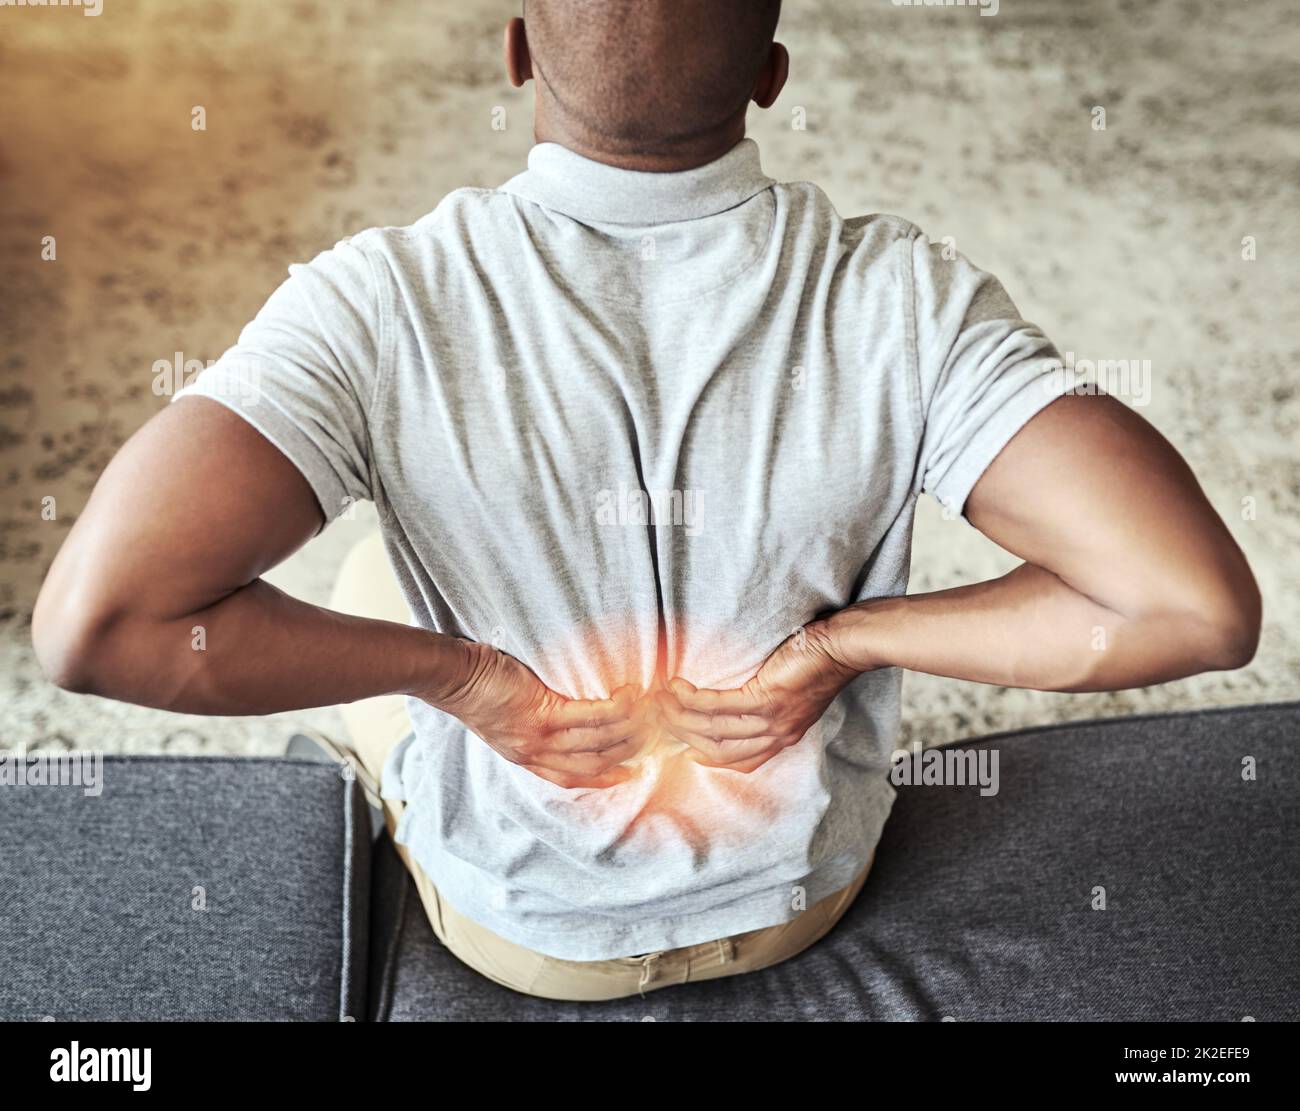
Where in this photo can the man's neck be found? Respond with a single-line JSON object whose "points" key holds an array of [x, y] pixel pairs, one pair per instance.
{"points": [[687, 155]]}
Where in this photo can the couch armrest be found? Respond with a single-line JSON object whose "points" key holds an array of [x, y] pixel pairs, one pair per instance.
{"points": [[189, 888]]}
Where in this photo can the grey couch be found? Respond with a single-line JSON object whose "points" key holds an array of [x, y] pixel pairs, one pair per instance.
{"points": [[250, 889]]}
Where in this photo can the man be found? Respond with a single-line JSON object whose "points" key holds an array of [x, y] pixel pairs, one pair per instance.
{"points": [[645, 430]]}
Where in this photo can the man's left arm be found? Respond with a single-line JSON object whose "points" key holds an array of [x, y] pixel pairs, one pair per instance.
{"points": [[1130, 578]]}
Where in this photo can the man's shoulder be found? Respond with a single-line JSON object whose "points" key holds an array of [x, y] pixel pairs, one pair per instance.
{"points": [[461, 214], [456, 209], [807, 198], [858, 240]]}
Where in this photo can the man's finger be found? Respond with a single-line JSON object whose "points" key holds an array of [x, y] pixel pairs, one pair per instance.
{"points": [[585, 738], [704, 701], [722, 753], [750, 763], [584, 713], [721, 727], [583, 763]]}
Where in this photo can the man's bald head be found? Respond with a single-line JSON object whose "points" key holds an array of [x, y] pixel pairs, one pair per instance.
{"points": [[649, 75]]}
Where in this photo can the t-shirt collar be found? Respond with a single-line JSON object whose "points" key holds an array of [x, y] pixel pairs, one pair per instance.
{"points": [[597, 193]]}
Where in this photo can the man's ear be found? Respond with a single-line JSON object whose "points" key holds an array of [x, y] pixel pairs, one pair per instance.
{"points": [[771, 78], [519, 62]]}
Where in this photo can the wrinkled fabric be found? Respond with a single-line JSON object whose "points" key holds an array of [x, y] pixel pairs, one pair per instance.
{"points": [[627, 425]]}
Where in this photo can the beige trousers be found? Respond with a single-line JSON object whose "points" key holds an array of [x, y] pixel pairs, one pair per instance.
{"points": [[366, 586]]}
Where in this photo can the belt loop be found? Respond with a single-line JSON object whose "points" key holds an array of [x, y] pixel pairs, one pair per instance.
{"points": [[647, 971], [726, 950], [356, 769]]}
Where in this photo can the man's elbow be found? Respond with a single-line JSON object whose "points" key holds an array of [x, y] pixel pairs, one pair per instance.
{"points": [[68, 635], [63, 661], [1230, 627]]}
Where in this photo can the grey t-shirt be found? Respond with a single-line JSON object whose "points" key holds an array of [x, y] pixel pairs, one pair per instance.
{"points": [[612, 419]]}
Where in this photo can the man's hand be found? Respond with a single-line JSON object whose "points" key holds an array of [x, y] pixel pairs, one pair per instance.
{"points": [[571, 742], [743, 729]]}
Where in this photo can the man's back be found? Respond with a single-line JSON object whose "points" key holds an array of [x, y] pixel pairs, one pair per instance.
{"points": [[635, 417], [628, 426]]}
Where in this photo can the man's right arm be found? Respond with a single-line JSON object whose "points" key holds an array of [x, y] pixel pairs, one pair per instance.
{"points": [[156, 597]]}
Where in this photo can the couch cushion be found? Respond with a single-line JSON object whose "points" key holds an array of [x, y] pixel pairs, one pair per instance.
{"points": [[981, 908], [102, 914]]}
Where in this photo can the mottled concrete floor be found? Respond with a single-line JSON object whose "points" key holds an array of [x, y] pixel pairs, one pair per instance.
{"points": [[323, 119]]}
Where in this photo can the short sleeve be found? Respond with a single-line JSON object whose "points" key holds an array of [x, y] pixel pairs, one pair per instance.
{"points": [[984, 372], [303, 373]]}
